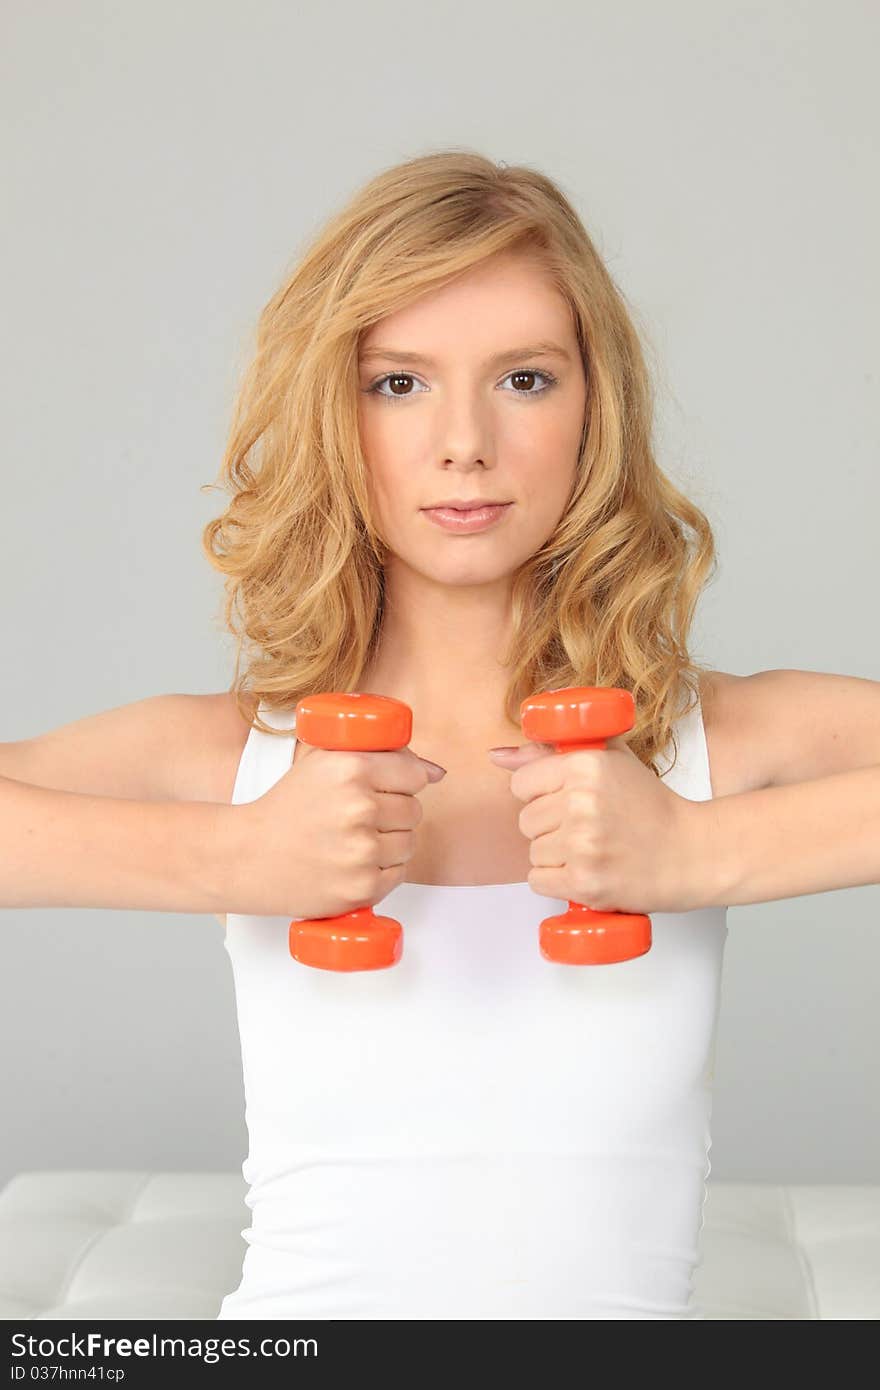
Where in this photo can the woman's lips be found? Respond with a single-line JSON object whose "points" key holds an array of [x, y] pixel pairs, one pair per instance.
{"points": [[476, 519]]}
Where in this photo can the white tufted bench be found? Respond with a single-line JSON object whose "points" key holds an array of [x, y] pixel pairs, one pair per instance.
{"points": [[118, 1244]]}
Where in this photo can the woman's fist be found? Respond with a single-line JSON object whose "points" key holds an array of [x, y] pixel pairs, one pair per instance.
{"points": [[334, 833]]}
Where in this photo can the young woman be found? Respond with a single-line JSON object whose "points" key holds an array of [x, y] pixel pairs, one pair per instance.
{"points": [[475, 1133]]}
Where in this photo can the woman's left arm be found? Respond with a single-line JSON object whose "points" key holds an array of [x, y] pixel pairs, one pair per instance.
{"points": [[785, 841], [814, 824]]}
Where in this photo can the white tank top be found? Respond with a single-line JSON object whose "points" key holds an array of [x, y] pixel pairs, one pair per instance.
{"points": [[475, 1132]]}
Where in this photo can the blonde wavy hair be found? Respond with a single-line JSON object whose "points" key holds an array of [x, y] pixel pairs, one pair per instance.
{"points": [[608, 599]]}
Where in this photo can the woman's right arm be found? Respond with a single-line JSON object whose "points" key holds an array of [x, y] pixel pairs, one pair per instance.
{"points": [[132, 808], [122, 809], [69, 849]]}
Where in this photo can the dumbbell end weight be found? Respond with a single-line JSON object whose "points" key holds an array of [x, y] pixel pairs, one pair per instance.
{"points": [[582, 936], [356, 940]]}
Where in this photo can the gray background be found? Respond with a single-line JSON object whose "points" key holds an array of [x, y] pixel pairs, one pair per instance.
{"points": [[162, 164]]}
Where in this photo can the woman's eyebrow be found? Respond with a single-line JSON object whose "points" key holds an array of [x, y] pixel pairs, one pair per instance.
{"points": [[542, 349]]}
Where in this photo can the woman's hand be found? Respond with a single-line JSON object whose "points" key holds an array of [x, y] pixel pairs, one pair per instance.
{"points": [[334, 833], [605, 831]]}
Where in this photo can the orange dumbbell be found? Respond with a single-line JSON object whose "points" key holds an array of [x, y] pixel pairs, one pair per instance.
{"points": [[584, 716], [357, 940]]}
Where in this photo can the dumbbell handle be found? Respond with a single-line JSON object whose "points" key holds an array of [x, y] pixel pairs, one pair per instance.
{"points": [[360, 939], [584, 935]]}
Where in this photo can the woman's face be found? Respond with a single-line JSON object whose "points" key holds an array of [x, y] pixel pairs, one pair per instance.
{"points": [[456, 401]]}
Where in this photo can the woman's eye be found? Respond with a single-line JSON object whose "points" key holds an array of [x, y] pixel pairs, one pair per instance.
{"points": [[398, 378], [530, 373]]}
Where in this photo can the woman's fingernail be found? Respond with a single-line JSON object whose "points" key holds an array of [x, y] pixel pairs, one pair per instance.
{"points": [[436, 766], [507, 748]]}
